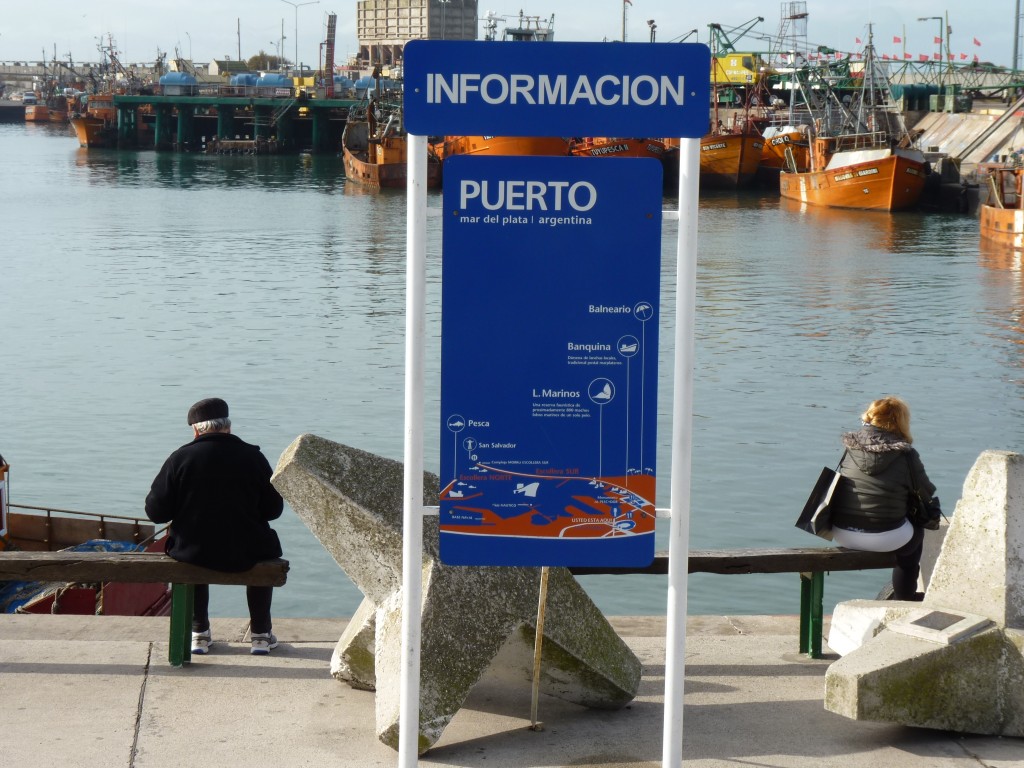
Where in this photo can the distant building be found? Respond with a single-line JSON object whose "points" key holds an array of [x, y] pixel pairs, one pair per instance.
{"points": [[383, 27], [226, 68]]}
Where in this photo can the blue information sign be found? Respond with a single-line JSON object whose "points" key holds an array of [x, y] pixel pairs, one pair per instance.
{"points": [[556, 89], [549, 352]]}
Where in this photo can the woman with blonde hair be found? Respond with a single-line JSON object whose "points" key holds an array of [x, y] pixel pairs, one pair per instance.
{"points": [[881, 471]]}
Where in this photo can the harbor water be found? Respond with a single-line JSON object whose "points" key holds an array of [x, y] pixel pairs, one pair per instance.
{"points": [[133, 284]]}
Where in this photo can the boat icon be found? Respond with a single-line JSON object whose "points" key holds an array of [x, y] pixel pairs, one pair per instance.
{"points": [[627, 349]]}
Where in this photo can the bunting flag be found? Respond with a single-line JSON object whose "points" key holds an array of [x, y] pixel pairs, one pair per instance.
{"points": [[897, 39], [907, 56], [975, 58], [922, 57], [977, 41], [963, 56], [885, 57], [936, 56], [937, 40], [949, 56], [857, 39]]}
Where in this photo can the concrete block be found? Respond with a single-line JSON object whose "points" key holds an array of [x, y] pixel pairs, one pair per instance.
{"points": [[352, 501]]}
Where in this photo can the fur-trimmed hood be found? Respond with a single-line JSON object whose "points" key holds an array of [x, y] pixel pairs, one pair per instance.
{"points": [[873, 449]]}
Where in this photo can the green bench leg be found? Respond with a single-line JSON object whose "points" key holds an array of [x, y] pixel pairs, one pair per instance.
{"points": [[179, 646], [812, 596]]}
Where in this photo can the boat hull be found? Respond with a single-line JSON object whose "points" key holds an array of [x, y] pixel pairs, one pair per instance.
{"points": [[890, 183], [37, 113], [93, 133], [1003, 226], [773, 154], [611, 147], [384, 175], [526, 146], [729, 160]]}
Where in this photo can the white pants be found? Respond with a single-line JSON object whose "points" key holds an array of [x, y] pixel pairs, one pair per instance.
{"points": [[873, 541]]}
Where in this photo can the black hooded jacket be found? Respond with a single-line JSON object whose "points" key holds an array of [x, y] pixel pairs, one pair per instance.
{"points": [[878, 467], [216, 494]]}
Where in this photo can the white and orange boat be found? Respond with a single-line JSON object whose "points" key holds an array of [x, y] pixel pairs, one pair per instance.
{"points": [[867, 159], [785, 146], [1002, 213]]}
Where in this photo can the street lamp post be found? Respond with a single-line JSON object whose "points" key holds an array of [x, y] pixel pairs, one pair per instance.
{"points": [[940, 37], [296, 6], [653, 26]]}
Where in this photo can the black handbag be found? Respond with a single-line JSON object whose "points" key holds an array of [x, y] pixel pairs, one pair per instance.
{"points": [[922, 514], [816, 517]]}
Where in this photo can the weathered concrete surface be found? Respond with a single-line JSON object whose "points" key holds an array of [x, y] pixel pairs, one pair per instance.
{"points": [[96, 692], [972, 683], [352, 501]]}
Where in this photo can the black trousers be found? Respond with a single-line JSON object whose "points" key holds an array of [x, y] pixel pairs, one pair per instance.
{"points": [[908, 566], [259, 599]]}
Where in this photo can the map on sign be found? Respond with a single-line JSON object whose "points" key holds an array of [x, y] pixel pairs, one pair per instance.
{"points": [[549, 352]]}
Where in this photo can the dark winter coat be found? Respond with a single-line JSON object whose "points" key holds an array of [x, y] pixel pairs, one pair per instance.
{"points": [[216, 494], [878, 466]]}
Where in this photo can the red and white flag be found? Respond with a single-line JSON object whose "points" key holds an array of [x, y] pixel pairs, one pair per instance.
{"points": [[907, 56], [897, 39], [857, 39], [922, 57], [977, 41], [936, 39]]}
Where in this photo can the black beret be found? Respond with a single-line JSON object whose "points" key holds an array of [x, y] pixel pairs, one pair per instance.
{"points": [[207, 410]]}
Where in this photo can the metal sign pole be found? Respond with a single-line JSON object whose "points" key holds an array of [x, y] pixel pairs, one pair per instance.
{"points": [[412, 511], [682, 446]]}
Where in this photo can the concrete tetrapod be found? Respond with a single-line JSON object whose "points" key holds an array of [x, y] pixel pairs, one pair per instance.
{"points": [[956, 661], [352, 501]]}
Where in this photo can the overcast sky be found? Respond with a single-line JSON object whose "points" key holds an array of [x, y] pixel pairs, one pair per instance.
{"points": [[208, 29]]}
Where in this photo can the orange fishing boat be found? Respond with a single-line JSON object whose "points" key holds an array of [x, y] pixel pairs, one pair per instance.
{"points": [[865, 159], [375, 150], [729, 159], [94, 120], [506, 145], [35, 111], [1002, 213], [616, 147], [785, 146]]}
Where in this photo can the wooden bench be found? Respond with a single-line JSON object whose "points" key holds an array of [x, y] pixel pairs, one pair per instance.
{"points": [[140, 567], [810, 562]]}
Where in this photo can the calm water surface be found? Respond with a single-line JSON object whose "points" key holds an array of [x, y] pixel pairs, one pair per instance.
{"points": [[133, 284]]}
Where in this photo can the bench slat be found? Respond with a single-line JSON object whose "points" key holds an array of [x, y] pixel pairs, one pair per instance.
{"points": [[133, 567], [797, 560]]}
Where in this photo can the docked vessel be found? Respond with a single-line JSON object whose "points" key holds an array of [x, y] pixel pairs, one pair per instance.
{"points": [[1002, 214], [41, 529], [785, 146], [506, 145], [94, 120], [729, 158], [618, 147], [865, 158], [375, 145]]}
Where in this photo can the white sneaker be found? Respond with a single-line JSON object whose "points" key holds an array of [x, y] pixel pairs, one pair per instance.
{"points": [[201, 642], [263, 643]]}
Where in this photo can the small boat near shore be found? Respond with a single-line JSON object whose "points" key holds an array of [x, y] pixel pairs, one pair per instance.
{"points": [[1002, 213], [42, 529]]}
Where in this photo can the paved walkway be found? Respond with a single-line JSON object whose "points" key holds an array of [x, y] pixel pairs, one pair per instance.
{"points": [[86, 691]]}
